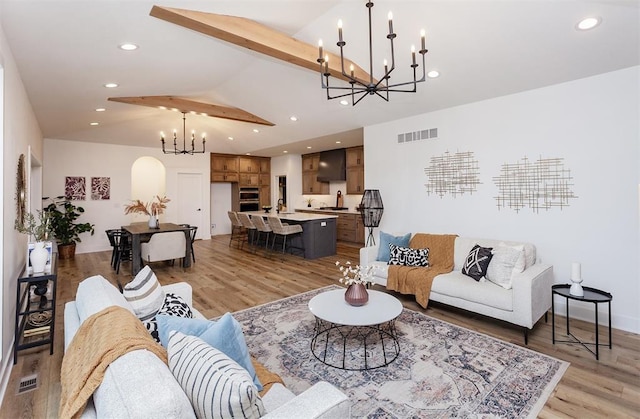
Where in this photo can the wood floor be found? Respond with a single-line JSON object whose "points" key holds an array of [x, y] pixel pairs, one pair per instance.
{"points": [[227, 279]]}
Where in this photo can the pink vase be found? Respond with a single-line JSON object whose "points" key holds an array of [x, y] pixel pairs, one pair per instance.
{"points": [[356, 295]]}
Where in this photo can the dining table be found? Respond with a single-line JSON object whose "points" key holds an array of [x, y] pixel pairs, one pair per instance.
{"points": [[139, 232]]}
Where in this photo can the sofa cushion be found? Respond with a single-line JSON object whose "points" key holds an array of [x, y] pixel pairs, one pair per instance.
{"points": [[387, 239], [95, 294], [457, 285], [503, 265], [408, 256], [216, 385], [173, 305], [463, 245], [477, 262], [225, 335], [144, 294], [139, 385]]}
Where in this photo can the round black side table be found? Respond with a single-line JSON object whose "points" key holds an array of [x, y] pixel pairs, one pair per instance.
{"points": [[591, 295]]}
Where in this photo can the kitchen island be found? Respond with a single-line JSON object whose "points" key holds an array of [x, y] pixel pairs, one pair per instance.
{"points": [[319, 233]]}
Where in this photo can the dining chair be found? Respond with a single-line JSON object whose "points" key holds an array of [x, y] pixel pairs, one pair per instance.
{"points": [[192, 236], [114, 242], [170, 245], [124, 249], [284, 231], [237, 229]]}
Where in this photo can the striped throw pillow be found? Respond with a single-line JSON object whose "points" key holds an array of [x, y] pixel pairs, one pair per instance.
{"points": [[216, 385], [144, 294]]}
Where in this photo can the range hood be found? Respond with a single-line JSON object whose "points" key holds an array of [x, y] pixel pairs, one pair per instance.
{"points": [[333, 166]]}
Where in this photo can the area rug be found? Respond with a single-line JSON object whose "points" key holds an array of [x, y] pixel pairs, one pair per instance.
{"points": [[443, 370]]}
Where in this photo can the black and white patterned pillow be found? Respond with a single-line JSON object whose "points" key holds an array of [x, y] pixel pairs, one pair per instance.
{"points": [[173, 305], [408, 256], [477, 261]]}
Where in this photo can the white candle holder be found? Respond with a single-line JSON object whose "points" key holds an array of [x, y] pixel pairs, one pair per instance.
{"points": [[576, 279]]}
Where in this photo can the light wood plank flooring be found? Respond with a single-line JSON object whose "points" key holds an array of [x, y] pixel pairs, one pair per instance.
{"points": [[227, 279]]}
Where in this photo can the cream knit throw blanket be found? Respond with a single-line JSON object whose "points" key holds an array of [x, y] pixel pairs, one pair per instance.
{"points": [[99, 341]]}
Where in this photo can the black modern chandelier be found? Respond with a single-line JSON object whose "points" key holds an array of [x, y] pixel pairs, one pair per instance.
{"points": [[184, 140], [361, 88]]}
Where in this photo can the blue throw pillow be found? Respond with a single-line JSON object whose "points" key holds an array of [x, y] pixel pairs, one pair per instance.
{"points": [[225, 335], [386, 240]]}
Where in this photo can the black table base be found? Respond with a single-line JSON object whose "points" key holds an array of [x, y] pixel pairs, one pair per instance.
{"points": [[355, 348]]}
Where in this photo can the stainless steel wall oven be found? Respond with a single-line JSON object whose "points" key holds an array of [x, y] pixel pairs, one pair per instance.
{"points": [[249, 199]]}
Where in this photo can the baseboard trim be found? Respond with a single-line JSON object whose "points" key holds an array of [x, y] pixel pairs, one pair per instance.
{"points": [[5, 373]]}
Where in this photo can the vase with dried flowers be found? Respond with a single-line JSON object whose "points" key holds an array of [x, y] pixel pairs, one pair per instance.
{"points": [[356, 278], [40, 229], [153, 209]]}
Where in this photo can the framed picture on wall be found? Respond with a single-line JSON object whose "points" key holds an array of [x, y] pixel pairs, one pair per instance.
{"points": [[100, 188], [75, 188]]}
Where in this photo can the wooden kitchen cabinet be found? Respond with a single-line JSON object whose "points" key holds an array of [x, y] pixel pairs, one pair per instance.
{"points": [[265, 165], [249, 164], [265, 195], [224, 163], [249, 179], [310, 183], [355, 170]]}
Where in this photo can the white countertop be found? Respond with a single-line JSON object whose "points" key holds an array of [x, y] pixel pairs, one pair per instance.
{"points": [[292, 216], [330, 211]]}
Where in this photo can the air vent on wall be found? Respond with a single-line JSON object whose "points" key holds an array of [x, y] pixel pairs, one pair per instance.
{"points": [[418, 135], [28, 383]]}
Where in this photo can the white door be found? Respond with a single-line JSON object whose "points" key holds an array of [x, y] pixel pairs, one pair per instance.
{"points": [[190, 200]]}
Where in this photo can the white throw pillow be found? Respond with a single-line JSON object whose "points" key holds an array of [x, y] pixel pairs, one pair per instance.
{"points": [[502, 265], [520, 264], [144, 294], [216, 385]]}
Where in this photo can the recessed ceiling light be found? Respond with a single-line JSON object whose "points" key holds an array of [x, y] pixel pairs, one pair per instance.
{"points": [[174, 109], [162, 107], [128, 46], [293, 118], [111, 85], [588, 23], [204, 114], [230, 138], [285, 151], [344, 102], [256, 130], [93, 124], [100, 109], [433, 74], [338, 142], [192, 112], [309, 147], [248, 154]]}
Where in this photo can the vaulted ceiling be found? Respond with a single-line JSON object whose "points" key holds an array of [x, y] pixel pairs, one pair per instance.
{"points": [[67, 50]]}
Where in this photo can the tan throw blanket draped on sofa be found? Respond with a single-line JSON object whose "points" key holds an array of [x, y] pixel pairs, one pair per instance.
{"points": [[417, 280], [99, 341]]}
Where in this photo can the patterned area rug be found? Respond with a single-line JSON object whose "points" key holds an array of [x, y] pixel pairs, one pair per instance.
{"points": [[442, 371]]}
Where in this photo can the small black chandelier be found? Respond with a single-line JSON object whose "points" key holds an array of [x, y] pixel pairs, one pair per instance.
{"points": [[360, 88], [184, 140]]}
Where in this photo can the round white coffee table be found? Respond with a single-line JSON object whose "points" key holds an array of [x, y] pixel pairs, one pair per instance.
{"points": [[355, 338]]}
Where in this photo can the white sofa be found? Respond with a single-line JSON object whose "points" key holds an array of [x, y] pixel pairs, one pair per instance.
{"points": [[523, 304], [140, 385]]}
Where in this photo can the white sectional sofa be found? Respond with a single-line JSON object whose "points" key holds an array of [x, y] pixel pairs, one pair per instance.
{"points": [[140, 385], [523, 304]]}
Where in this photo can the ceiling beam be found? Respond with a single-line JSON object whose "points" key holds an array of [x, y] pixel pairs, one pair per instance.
{"points": [[250, 34], [187, 105]]}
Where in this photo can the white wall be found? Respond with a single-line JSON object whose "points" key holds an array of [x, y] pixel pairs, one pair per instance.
{"points": [[72, 158], [19, 131], [592, 123]]}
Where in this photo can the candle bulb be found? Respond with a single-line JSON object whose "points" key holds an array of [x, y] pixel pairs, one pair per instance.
{"points": [[326, 64], [413, 54], [390, 23], [351, 68], [320, 49], [162, 135], [340, 30], [386, 70], [422, 39]]}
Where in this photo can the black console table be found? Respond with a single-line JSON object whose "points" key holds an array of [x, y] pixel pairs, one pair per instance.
{"points": [[35, 311], [591, 295]]}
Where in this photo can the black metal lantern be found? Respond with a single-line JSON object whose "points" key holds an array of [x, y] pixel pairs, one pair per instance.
{"points": [[371, 209]]}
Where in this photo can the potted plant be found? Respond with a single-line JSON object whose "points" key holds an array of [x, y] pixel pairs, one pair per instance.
{"points": [[63, 215]]}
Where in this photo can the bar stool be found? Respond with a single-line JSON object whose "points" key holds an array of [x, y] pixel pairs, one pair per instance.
{"points": [[248, 225], [261, 227], [237, 229], [283, 231]]}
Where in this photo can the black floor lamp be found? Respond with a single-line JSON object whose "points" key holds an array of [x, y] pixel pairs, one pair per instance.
{"points": [[371, 209]]}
